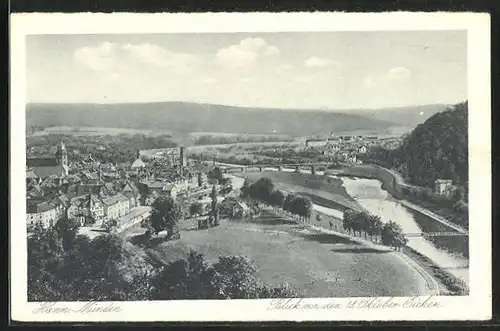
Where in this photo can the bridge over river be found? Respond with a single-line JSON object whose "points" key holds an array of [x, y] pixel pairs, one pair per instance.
{"points": [[233, 168], [436, 234]]}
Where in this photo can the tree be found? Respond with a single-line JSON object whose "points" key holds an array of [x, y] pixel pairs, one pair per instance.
{"points": [[261, 190], [362, 222], [277, 199], [348, 220], [216, 173], [245, 189], [45, 257], [67, 229], [393, 236], [303, 207], [110, 225], [215, 209], [228, 188], [234, 277], [196, 208], [288, 203], [375, 226], [165, 215]]}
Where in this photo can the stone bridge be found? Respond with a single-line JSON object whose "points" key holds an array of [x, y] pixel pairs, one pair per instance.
{"points": [[234, 168], [436, 234]]}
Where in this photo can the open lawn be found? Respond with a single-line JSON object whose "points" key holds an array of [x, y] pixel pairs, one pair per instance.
{"points": [[322, 190], [318, 264]]}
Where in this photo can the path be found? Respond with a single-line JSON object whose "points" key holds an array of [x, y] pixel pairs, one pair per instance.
{"points": [[434, 216]]}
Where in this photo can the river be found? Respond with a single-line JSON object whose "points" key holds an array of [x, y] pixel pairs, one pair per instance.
{"points": [[370, 195]]}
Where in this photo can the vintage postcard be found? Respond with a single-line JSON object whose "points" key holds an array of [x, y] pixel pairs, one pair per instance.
{"points": [[250, 167]]}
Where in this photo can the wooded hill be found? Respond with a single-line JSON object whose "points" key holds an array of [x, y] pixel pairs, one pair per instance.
{"points": [[437, 148], [193, 117]]}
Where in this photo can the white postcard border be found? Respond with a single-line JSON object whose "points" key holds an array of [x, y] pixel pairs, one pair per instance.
{"points": [[477, 306]]}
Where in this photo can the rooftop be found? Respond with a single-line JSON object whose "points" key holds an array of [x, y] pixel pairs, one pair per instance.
{"points": [[114, 199]]}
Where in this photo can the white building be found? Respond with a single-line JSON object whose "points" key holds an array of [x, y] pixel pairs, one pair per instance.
{"points": [[316, 142], [116, 206], [362, 149], [40, 212], [444, 187]]}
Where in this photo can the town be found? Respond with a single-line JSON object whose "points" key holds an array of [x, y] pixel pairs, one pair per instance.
{"points": [[98, 194]]}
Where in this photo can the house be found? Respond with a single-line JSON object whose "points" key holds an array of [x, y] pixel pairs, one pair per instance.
{"points": [[86, 208], [443, 187], [234, 208], [316, 142], [136, 216], [116, 206], [137, 165], [171, 190], [131, 191], [40, 212], [352, 158], [347, 139], [83, 189], [159, 188], [90, 177], [202, 179], [34, 192], [362, 149], [30, 174]]}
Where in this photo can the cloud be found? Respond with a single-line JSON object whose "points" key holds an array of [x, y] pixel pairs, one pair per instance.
{"points": [[392, 76], [98, 58], [317, 62], [399, 74], [107, 56], [159, 56], [247, 53]]}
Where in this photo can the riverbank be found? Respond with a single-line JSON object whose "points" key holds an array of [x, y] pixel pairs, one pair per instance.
{"points": [[439, 281], [322, 190], [393, 183], [333, 221]]}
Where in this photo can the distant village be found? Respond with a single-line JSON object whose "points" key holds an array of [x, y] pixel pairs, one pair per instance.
{"points": [[93, 193], [347, 149]]}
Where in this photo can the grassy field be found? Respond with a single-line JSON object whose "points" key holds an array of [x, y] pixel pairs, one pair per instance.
{"points": [[320, 265], [324, 191]]}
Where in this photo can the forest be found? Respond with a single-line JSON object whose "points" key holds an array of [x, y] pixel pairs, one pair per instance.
{"points": [[437, 148]]}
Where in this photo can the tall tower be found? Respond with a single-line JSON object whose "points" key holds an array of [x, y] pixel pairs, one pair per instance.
{"points": [[62, 154]]}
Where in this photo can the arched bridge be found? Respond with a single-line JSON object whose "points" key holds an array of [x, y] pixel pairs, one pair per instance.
{"points": [[436, 234], [233, 168]]}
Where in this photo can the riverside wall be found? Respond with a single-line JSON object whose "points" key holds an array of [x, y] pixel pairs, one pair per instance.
{"points": [[391, 182]]}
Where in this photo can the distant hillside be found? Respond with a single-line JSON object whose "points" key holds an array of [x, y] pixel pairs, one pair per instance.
{"points": [[404, 116], [437, 148], [192, 117]]}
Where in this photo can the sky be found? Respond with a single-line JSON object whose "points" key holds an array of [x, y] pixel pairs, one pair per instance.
{"points": [[311, 70]]}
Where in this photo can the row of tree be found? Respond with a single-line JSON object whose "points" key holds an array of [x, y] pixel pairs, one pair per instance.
{"points": [[390, 233], [263, 191], [354, 222]]}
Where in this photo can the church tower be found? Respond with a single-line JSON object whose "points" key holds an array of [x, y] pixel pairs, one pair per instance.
{"points": [[62, 154]]}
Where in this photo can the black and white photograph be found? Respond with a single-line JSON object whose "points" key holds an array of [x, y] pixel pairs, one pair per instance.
{"points": [[280, 165]]}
